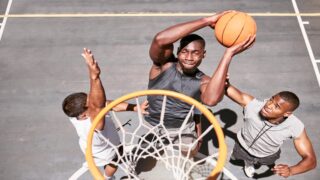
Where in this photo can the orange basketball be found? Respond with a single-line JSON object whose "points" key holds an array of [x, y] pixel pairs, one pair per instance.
{"points": [[234, 27]]}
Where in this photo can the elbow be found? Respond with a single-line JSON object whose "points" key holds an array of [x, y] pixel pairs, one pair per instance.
{"points": [[100, 126], [160, 39], [314, 163], [210, 101], [313, 160]]}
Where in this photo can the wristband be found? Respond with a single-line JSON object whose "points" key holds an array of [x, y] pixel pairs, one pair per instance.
{"points": [[130, 107]]}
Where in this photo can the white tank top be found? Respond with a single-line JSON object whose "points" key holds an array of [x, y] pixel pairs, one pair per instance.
{"points": [[100, 147]]}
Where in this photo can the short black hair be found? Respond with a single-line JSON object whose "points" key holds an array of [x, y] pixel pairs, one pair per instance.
{"points": [[291, 98], [190, 38], [75, 104]]}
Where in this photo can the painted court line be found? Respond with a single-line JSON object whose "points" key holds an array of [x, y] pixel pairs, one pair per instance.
{"points": [[145, 14], [164, 14], [3, 24], [306, 39]]}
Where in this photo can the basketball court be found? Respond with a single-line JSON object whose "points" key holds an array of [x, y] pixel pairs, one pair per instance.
{"points": [[40, 47]]}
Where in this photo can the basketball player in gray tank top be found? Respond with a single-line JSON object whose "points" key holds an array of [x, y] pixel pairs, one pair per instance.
{"points": [[180, 72]]}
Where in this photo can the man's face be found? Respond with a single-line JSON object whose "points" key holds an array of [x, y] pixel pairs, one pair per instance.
{"points": [[276, 109], [191, 55]]}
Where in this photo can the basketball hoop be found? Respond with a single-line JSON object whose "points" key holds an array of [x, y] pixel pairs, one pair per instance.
{"points": [[136, 146]]}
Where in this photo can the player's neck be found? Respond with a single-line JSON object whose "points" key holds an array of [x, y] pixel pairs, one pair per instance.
{"points": [[277, 121], [187, 72]]}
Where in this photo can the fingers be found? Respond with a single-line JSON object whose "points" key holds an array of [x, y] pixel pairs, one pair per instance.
{"points": [[249, 41], [214, 18], [280, 166], [254, 40], [244, 44], [144, 106], [146, 103], [228, 11], [228, 76], [88, 56], [87, 50], [281, 170], [227, 82], [86, 53], [219, 14], [94, 69]]}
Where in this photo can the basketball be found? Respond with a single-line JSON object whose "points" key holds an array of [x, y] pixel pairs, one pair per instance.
{"points": [[234, 27]]}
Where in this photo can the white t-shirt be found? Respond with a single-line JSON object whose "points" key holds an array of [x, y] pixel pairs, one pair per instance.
{"points": [[272, 136], [101, 148]]}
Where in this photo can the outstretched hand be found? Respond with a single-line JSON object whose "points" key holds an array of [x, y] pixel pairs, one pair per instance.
{"points": [[144, 106], [93, 66], [246, 44]]}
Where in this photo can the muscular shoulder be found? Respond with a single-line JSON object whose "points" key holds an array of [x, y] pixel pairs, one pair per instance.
{"points": [[296, 125], [205, 79], [156, 70]]}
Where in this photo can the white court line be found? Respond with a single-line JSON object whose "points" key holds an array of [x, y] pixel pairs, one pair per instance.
{"points": [[5, 19], [306, 39], [146, 14]]}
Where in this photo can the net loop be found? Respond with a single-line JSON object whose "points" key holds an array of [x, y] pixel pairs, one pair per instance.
{"points": [[146, 141]]}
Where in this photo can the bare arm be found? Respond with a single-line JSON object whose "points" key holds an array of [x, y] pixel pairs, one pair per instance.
{"points": [[161, 49], [197, 119], [237, 96], [124, 106], [97, 97], [212, 89], [304, 148]]}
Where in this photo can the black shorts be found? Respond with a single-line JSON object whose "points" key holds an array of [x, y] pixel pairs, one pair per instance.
{"points": [[239, 153]]}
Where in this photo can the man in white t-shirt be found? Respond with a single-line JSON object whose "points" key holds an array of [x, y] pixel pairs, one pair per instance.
{"points": [[82, 108], [267, 124]]}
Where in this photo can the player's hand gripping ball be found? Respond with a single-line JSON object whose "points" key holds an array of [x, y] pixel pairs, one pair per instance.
{"points": [[234, 27]]}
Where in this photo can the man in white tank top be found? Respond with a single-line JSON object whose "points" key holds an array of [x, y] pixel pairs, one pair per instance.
{"points": [[82, 109], [267, 124]]}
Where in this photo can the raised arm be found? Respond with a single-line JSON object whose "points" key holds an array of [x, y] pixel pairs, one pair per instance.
{"points": [[161, 49], [304, 148], [97, 97], [236, 95], [213, 88], [124, 106]]}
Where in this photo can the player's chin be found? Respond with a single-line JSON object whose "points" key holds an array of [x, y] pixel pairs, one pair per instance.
{"points": [[189, 67], [189, 71], [263, 113]]}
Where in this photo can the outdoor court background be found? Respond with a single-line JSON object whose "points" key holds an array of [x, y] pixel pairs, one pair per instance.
{"points": [[41, 64]]}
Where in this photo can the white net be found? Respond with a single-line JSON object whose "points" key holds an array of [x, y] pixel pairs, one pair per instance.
{"points": [[168, 147]]}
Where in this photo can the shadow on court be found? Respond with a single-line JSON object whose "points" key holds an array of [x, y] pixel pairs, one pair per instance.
{"points": [[229, 118]]}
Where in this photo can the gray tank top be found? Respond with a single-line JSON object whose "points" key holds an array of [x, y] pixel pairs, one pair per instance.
{"points": [[176, 110]]}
